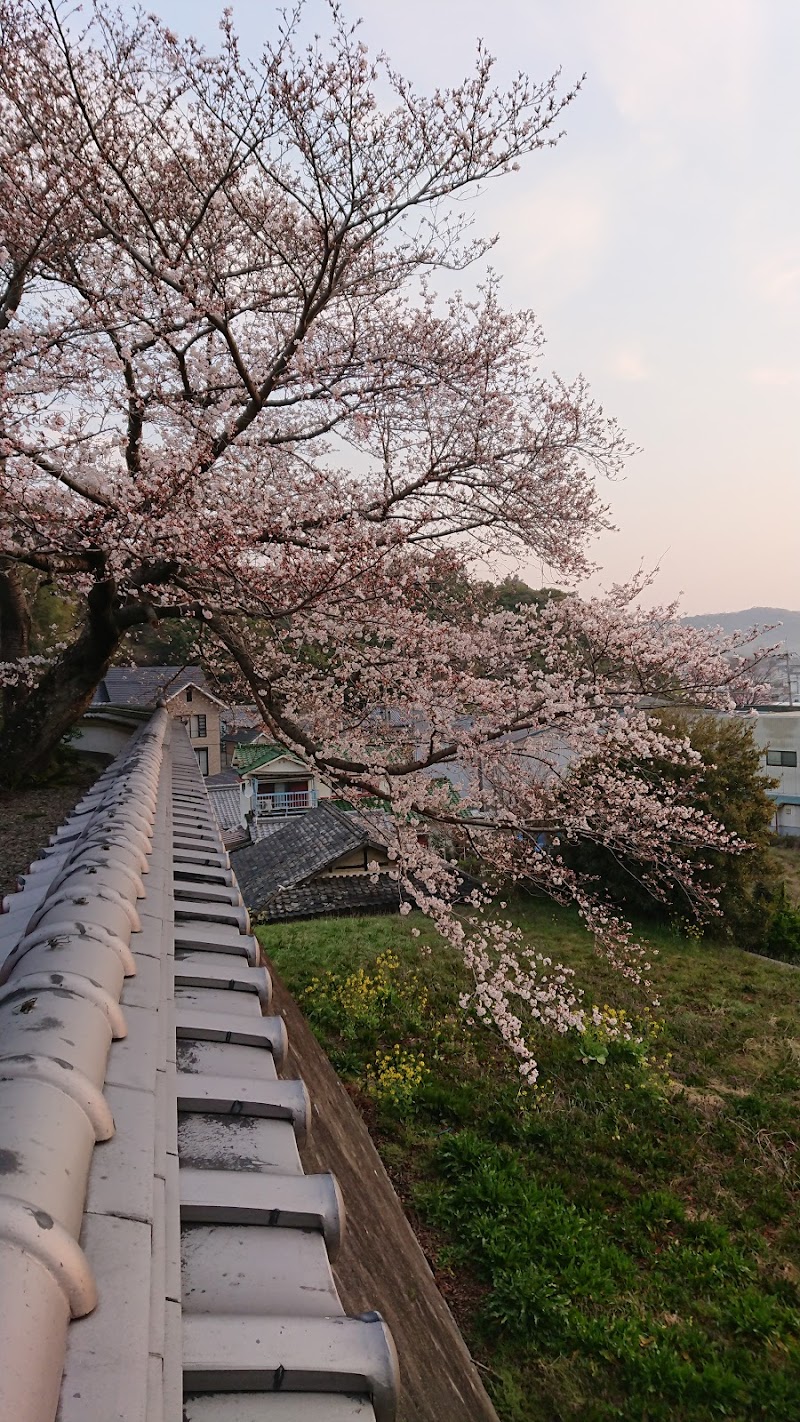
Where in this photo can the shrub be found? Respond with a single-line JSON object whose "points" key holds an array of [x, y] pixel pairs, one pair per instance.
{"points": [[729, 785], [783, 934], [367, 997]]}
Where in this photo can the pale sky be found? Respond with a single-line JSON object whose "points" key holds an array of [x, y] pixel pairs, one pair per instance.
{"points": [[658, 244]]}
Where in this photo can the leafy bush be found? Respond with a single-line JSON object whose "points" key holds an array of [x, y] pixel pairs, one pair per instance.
{"points": [[783, 935], [729, 785]]}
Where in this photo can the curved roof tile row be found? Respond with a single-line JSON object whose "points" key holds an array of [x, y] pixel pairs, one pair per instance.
{"points": [[151, 1188]]}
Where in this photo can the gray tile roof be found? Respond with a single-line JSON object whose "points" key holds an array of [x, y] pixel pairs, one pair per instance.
{"points": [[304, 847], [249, 737], [242, 718], [144, 686], [333, 894], [262, 827], [222, 778], [226, 803]]}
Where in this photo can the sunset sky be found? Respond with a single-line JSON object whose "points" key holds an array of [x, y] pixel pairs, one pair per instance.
{"points": [[659, 245]]}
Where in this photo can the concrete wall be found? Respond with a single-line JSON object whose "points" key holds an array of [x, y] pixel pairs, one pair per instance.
{"points": [[103, 736]]}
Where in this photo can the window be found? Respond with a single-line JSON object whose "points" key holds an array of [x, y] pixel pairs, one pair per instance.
{"points": [[188, 693], [202, 758], [782, 758], [198, 731]]}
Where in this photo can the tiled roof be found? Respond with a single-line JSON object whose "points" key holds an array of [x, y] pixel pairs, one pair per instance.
{"points": [[305, 845], [252, 757], [145, 686], [253, 736], [333, 894], [223, 777], [242, 718], [262, 827], [142, 1114], [226, 802]]}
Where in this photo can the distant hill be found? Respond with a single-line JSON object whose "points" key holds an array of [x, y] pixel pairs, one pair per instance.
{"points": [[788, 633]]}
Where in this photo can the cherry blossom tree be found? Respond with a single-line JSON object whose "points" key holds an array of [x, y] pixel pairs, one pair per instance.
{"points": [[231, 391]]}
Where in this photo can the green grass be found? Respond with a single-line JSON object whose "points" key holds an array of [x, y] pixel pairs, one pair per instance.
{"points": [[625, 1242]]}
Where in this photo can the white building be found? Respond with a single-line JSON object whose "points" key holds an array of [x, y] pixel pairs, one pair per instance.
{"points": [[275, 783], [776, 730]]}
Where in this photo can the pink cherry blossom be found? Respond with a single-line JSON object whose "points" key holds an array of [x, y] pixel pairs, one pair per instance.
{"points": [[231, 392]]}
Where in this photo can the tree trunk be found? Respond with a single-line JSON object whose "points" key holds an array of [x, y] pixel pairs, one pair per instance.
{"points": [[34, 729], [15, 631]]}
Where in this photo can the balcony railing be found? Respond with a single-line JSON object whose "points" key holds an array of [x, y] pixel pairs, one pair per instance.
{"points": [[286, 802]]}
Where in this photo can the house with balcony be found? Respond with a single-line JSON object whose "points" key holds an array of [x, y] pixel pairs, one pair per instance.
{"points": [[275, 783]]}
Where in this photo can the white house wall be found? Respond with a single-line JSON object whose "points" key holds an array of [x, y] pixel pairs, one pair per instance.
{"points": [[96, 737], [780, 730]]}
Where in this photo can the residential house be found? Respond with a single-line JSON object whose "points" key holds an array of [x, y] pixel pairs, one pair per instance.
{"points": [[317, 863], [275, 782], [187, 696], [776, 730]]}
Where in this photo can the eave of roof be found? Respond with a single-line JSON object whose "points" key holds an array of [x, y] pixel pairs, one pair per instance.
{"points": [[333, 894], [196, 686], [248, 758], [117, 715]]}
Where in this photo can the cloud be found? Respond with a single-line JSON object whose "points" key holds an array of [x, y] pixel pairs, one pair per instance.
{"points": [[681, 62], [628, 363], [777, 278], [776, 376], [555, 234]]}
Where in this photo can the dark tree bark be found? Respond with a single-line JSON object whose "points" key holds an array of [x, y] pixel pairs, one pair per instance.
{"points": [[40, 718], [37, 724], [15, 631]]}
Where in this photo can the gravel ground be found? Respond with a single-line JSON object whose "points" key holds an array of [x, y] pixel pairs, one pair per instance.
{"points": [[29, 817]]}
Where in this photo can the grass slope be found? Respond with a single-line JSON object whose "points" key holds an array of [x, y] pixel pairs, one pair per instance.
{"points": [[624, 1243]]}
